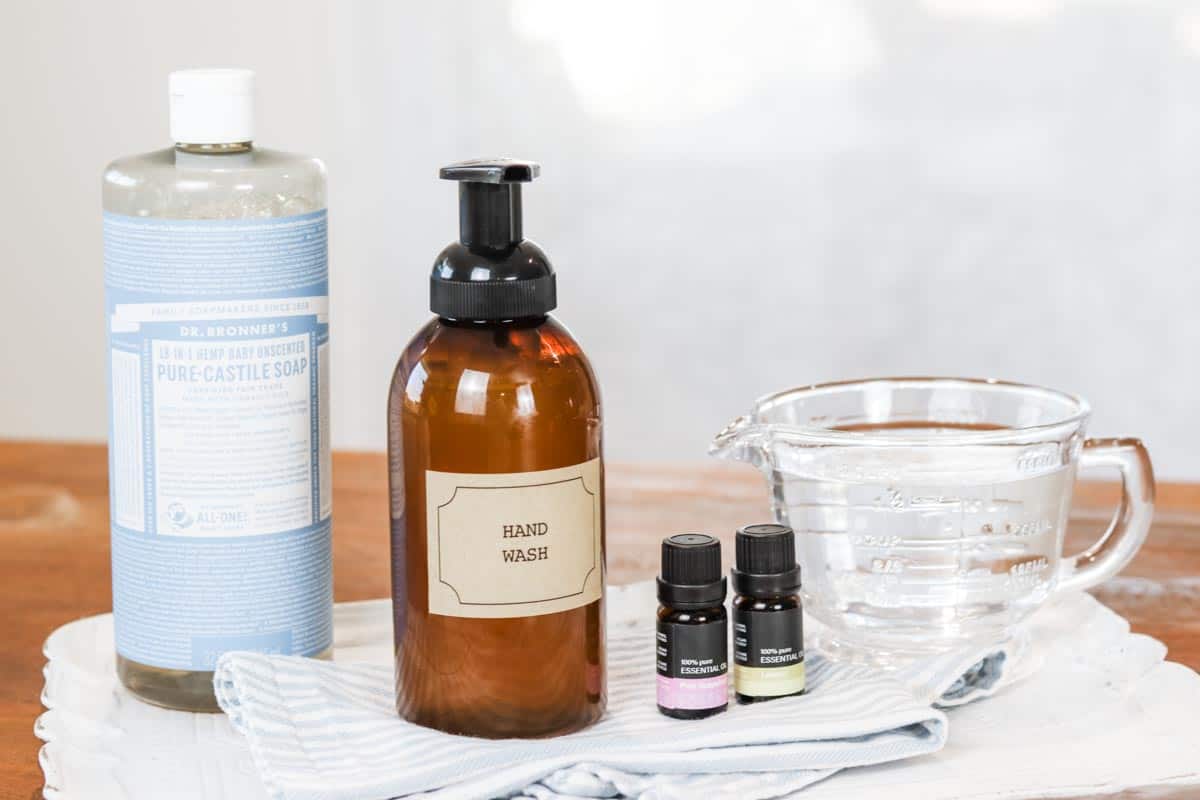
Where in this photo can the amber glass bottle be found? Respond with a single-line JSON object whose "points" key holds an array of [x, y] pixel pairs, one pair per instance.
{"points": [[497, 489]]}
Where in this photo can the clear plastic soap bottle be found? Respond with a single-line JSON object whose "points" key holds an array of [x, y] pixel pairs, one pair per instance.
{"points": [[216, 290], [496, 488]]}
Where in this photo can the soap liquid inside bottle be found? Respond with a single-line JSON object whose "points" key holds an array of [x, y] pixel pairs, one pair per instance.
{"points": [[498, 397], [234, 181]]}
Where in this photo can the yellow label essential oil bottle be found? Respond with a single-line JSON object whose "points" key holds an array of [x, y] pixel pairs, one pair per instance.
{"points": [[768, 624], [497, 488]]}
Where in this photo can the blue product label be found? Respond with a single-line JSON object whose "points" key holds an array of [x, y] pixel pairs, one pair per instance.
{"points": [[218, 437]]}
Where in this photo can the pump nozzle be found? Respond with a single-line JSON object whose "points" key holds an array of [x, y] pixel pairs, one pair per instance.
{"points": [[489, 200], [492, 272], [491, 170]]}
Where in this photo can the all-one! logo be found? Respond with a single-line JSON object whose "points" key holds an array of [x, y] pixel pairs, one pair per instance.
{"points": [[179, 516]]}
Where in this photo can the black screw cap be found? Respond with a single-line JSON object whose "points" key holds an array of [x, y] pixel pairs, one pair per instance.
{"points": [[766, 560], [691, 571], [765, 549]]}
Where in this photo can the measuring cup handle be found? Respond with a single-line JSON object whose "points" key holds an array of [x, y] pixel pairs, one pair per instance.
{"points": [[1130, 523]]}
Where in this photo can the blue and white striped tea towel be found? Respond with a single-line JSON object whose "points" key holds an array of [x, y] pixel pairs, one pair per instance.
{"points": [[326, 731]]}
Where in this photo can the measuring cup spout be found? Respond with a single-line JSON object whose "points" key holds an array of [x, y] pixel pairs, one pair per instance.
{"points": [[742, 440]]}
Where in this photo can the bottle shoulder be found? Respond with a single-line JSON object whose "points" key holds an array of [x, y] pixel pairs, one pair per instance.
{"points": [[169, 160], [498, 356], [176, 185], [700, 616], [745, 602]]}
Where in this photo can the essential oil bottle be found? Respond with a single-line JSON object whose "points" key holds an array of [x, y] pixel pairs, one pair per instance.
{"points": [[692, 640], [217, 313], [768, 624], [497, 488]]}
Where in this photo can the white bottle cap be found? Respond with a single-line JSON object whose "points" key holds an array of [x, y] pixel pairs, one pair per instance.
{"points": [[212, 106]]}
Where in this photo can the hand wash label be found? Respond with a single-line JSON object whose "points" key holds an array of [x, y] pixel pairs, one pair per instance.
{"points": [[514, 545]]}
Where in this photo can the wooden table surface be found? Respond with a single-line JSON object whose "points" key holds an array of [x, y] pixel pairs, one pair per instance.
{"points": [[55, 562]]}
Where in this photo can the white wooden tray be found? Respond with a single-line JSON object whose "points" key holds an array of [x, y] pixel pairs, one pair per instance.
{"points": [[1103, 712]]}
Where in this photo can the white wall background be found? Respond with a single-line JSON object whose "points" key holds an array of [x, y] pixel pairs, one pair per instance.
{"points": [[738, 197]]}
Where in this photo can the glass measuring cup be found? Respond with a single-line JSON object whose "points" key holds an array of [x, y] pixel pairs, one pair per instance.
{"points": [[930, 512]]}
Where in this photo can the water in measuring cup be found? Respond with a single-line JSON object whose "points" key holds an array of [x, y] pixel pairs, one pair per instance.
{"points": [[917, 548]]}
